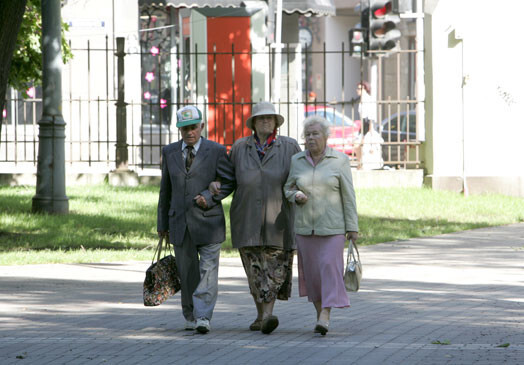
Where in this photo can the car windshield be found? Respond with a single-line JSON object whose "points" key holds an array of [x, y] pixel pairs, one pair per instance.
{"points": [[392, 124], [334, 118]]}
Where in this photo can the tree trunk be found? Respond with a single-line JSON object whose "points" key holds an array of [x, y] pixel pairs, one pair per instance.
{"points": [[11, 13]]}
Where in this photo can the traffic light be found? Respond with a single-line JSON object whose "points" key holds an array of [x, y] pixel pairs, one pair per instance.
{"points": [[358, 36], [383, 32], [357, 42]]}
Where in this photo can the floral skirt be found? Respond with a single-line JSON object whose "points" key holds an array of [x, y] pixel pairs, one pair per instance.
{"points": [[269, 272]]}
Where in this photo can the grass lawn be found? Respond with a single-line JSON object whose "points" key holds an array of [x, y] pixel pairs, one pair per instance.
{"points": [[108, 224]]}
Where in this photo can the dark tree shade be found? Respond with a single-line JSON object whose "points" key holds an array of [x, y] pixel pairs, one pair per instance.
{"points": [[11, 13]]}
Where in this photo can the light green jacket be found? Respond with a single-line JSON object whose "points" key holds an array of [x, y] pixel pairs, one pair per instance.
{"points": [[331, 206]]}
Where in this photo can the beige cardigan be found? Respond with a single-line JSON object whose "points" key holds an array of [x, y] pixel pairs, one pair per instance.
{"points": [[331, 206]]}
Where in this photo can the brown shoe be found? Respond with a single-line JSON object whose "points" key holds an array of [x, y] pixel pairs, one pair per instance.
{"points": [[269, 324], [256, 325]]}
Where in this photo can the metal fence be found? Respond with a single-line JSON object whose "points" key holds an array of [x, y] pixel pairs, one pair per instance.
{"points": [[90, 90]]}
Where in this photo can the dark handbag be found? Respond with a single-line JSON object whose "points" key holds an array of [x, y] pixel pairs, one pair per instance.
{"points": [[162, 280], [353, 272]]}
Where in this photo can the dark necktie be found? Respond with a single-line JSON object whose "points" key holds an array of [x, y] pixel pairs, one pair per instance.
{"points": [[189, 157]]}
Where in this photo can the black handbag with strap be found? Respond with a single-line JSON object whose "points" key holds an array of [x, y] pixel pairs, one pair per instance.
{"points": [[162, 280]]}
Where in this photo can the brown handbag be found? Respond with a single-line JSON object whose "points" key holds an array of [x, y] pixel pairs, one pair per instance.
{"points": [[162, 280]]}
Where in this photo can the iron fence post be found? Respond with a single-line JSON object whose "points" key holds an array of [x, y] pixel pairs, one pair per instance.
{"points": [[121, 116]]}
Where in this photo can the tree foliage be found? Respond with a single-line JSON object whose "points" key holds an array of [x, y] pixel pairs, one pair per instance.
{"points": [[11, 14], [20, 46], [26, 65]]}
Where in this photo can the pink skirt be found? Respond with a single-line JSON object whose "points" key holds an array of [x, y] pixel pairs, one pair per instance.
{"points": [[321, 269]]}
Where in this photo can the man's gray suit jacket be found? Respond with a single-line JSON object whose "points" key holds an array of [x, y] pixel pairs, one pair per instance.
{"points": [[176, 208]]}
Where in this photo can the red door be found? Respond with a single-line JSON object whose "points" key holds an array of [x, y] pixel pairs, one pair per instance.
{"points": [[229, 78]]}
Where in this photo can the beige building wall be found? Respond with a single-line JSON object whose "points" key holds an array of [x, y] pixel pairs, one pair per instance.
{"points": [[475, 99]]}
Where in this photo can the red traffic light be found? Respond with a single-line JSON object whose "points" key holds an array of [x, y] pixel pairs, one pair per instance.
{"points": [[382, 11], [383, 32]]}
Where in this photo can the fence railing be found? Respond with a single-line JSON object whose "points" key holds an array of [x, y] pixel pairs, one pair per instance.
{"points": [[89, 107]]}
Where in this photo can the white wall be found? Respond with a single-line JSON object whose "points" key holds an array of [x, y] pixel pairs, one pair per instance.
{"points": [[474, 48], [199, 43], [94, 20], [446, 79], [336, 32], [333, 31], [89, 21], [126, 25], [494, 93], [260, 65], [88, 78]]}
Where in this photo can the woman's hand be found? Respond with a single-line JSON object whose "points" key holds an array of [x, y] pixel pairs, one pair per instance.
{"points": [[300, 198], [352, 236], [201, 201], [214, 187]]}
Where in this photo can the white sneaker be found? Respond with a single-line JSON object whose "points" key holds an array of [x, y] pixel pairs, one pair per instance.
{"points": [[190, 325], [202, 325]]}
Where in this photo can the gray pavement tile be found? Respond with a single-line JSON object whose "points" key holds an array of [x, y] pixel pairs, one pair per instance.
{"points": [[463, 287]]}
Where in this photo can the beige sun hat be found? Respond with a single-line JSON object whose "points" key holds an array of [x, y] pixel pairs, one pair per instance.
{"points": [[264, 108]]}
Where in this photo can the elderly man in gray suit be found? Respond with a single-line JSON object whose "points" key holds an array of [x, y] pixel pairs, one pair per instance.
{"points": [[191, 216]]}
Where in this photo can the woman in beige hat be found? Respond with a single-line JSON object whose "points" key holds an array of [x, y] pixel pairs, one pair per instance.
{"points": [[261, 217]]}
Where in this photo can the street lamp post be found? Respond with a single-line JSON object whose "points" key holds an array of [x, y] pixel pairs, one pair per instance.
{"points": [[50, 175]]}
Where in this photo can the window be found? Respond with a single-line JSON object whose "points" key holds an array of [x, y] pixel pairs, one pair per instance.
{"points": [[157, 29], [23, 107], [412, 120]]}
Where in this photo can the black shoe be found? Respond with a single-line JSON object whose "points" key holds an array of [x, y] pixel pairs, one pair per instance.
{"points": [[269, 324], [322, 327], [256, 325]]}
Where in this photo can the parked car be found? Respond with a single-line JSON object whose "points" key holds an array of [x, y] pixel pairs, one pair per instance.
{"points": [[396, 130], [344, 130]]}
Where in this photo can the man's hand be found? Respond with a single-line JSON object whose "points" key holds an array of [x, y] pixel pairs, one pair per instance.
{"points": [[201, 201], [300, 198], [352, 236], [214, 187]]}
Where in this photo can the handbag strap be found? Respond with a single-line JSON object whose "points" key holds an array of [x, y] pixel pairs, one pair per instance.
{"points": [[168, 247], [163, 245], [158, 250], [351, 252]]}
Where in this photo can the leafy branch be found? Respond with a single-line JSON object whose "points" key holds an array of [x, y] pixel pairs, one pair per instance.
{"points": [[26, 65]]}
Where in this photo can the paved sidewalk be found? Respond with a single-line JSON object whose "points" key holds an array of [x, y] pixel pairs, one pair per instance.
{"points": [[450, 299]]}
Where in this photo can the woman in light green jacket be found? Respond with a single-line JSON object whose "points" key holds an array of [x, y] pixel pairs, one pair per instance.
{"points": [[321, 185]]}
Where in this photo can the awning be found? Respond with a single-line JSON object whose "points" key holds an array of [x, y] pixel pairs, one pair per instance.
{"points": [[310, 7], [306, 7]]}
